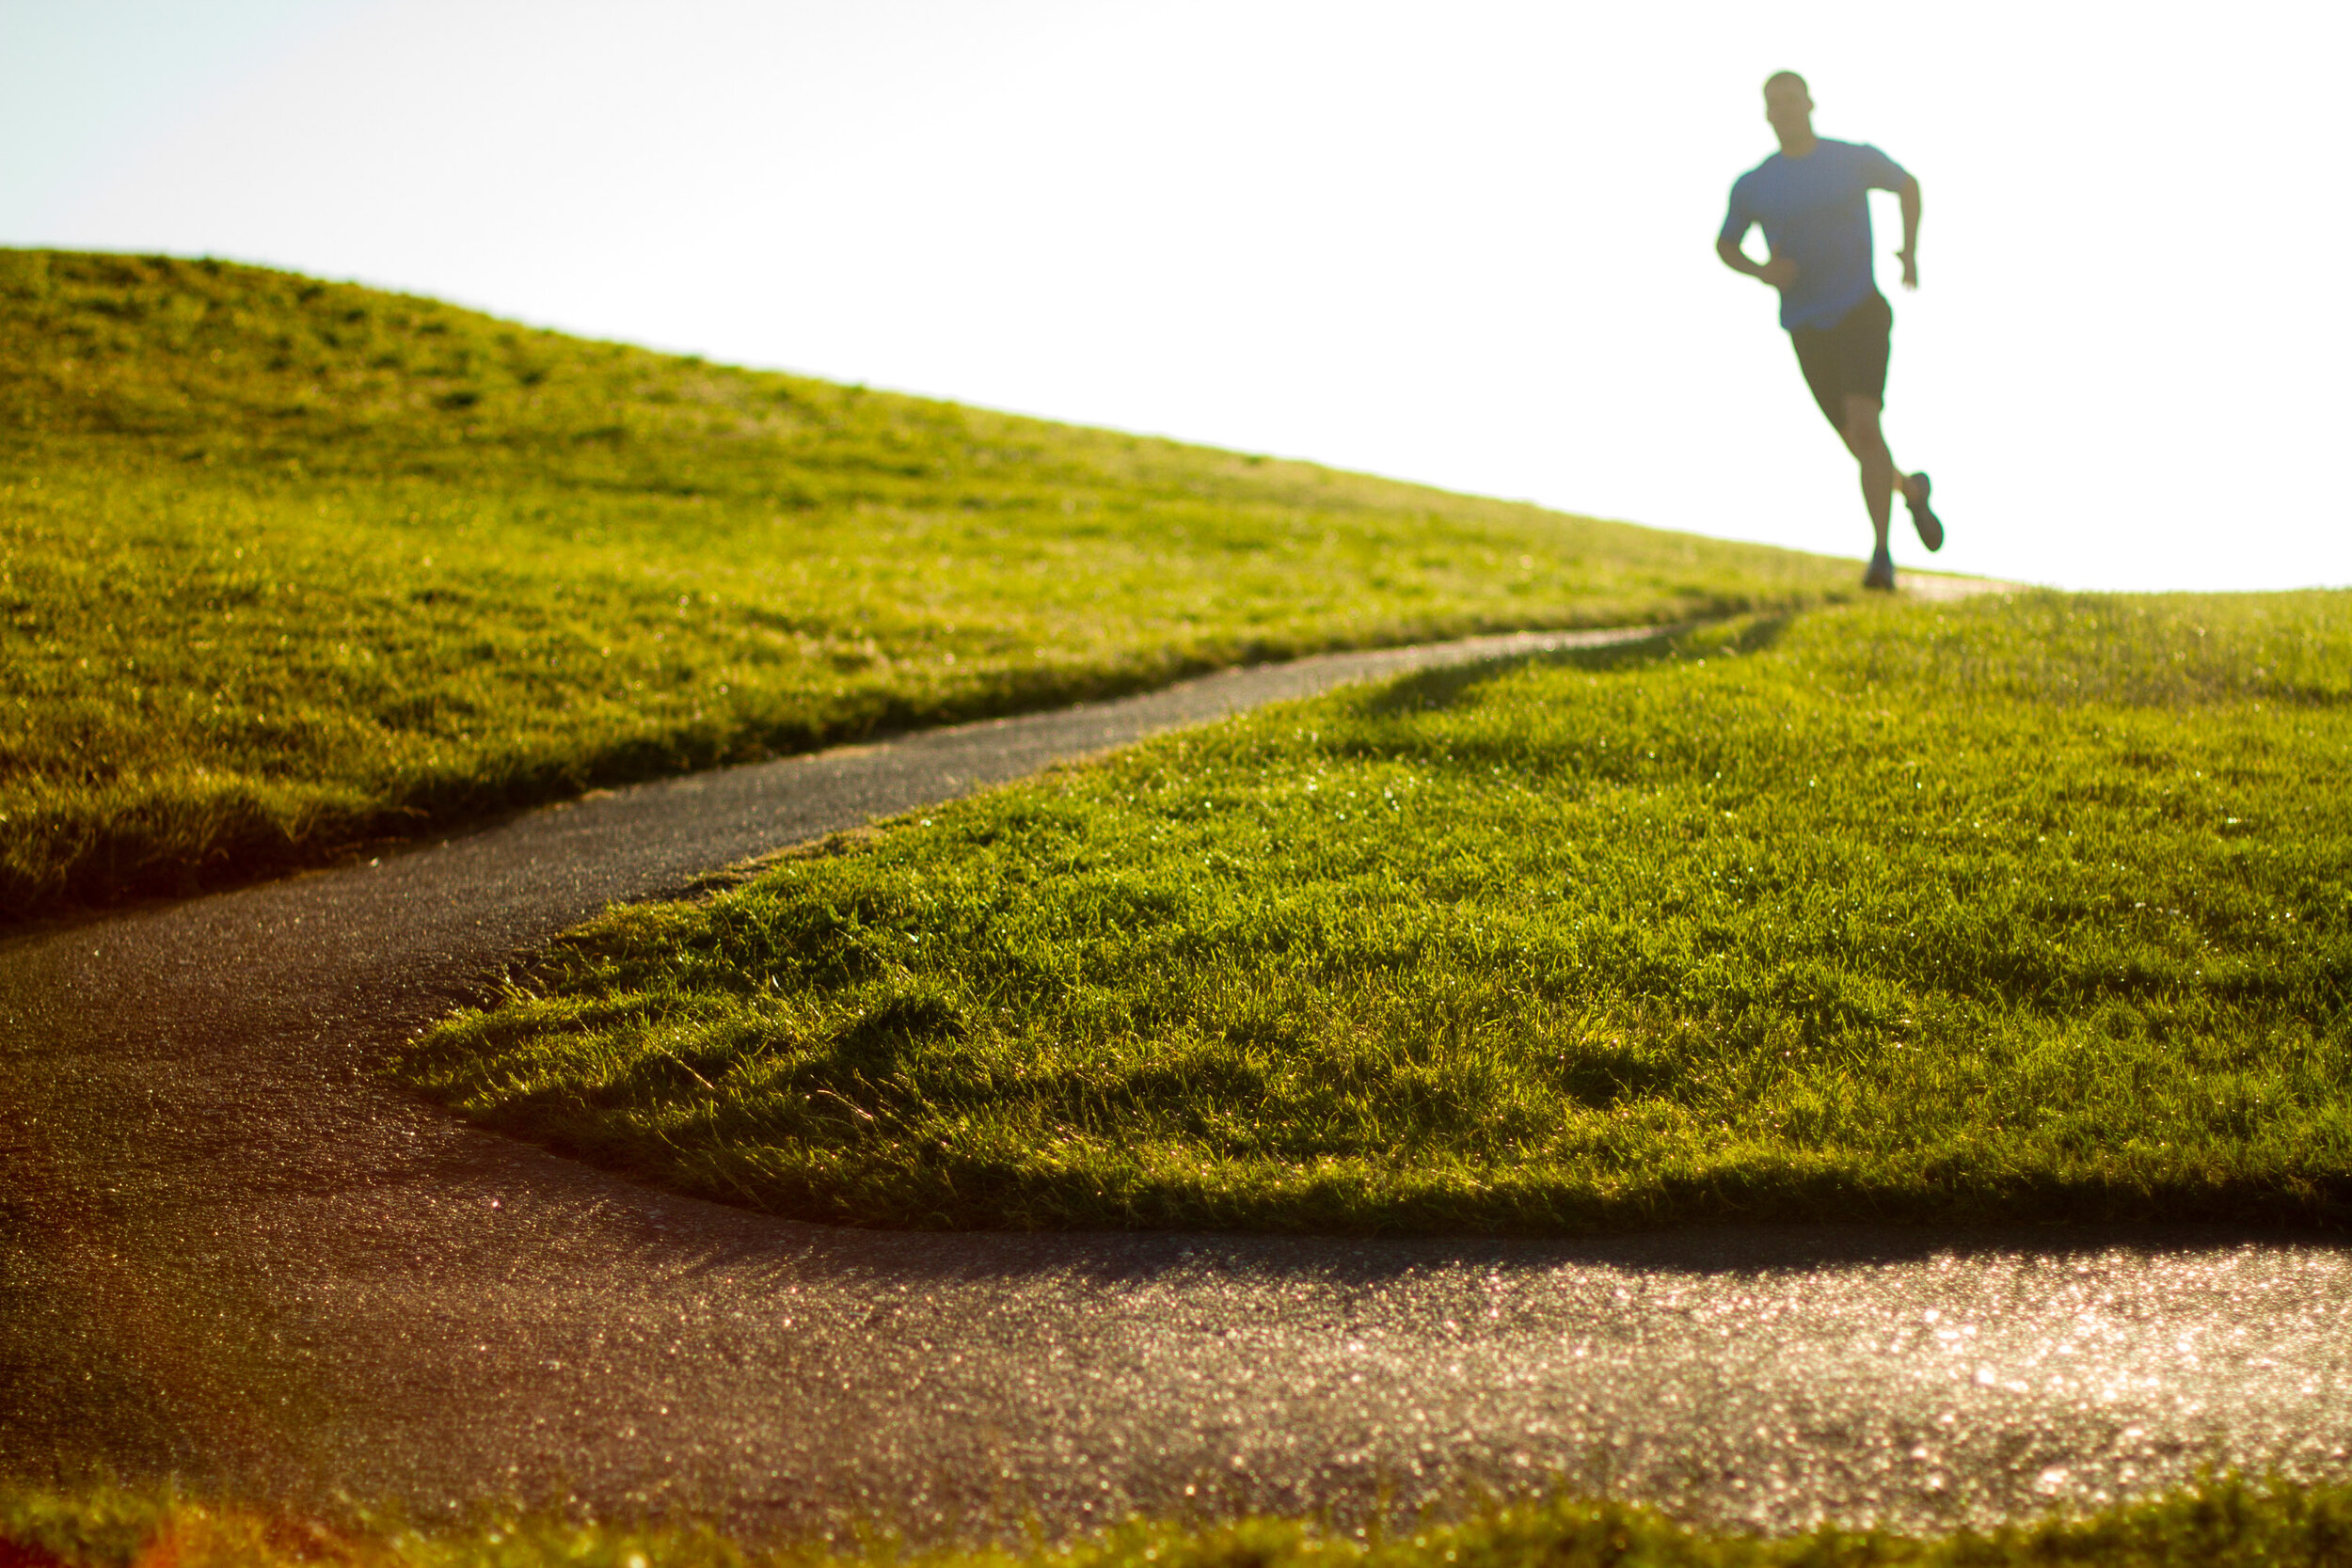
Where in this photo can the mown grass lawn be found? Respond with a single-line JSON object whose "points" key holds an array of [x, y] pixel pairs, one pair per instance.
{"points": [[2030, 907], [288, 565], [2224, 1523]]}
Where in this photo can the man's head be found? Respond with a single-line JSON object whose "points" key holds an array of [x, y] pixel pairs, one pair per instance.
{"points": [[1788, 107]]}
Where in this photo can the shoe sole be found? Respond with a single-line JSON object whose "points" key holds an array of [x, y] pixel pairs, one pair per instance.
{"points": [[1930, 527]]}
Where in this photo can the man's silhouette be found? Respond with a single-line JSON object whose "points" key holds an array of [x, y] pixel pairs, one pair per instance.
{"points": [[1812, 197]]}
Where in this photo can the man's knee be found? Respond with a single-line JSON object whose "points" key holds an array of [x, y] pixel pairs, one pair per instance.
{"points": [[1862, 427]]}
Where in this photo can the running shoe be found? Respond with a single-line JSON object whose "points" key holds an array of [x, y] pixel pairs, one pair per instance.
{"points": [[1930, 530], [1882, 573]]}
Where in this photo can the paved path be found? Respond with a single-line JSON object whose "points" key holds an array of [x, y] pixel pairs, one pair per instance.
{"points": [[226, 1250]]}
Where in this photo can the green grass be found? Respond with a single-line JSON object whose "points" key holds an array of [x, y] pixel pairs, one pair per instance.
{"points": [[2212, 1526], [286, 567], [2036, 908]]}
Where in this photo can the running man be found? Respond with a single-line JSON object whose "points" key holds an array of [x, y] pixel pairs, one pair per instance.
{"points": [[1812, 198]]}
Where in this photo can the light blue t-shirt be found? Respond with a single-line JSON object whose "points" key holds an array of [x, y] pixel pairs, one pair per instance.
{"points": [[1815, 211]]}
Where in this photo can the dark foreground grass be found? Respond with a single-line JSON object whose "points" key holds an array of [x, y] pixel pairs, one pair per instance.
{"points": [[2219, 1525], [287, 565], [2023, 908]]}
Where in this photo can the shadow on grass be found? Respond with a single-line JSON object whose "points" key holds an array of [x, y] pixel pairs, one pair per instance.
{"points": [[1449, 687]]}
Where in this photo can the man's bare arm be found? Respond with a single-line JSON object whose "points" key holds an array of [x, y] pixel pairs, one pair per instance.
{"points": [[1909, 196], [1779, 272]]}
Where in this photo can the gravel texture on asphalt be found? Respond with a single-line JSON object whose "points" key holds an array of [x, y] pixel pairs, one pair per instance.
{"points": [[229, 1252]]}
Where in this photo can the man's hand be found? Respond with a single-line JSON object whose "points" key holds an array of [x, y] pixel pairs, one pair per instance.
{"points": [[1779, 272], [1911, 269]]}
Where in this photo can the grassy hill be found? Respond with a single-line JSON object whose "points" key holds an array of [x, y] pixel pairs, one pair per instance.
{"points": [[288, 566], [2036, 908]]}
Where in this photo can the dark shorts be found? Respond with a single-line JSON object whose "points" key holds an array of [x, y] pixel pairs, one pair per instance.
{"points": [[1849, 356]]}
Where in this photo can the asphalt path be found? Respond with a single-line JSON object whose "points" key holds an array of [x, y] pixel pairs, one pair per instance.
{"points": [[229, 1253]]}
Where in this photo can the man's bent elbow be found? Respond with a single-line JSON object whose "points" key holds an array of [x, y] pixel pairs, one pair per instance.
{"points": [[1730, 253]]}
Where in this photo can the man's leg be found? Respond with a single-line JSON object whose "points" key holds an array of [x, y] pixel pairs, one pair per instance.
{"points": [[1845, 367], [1880, 478]]}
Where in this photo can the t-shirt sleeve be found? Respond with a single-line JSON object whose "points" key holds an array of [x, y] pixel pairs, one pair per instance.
{"points": [[1880, 172], [1741, 218]]}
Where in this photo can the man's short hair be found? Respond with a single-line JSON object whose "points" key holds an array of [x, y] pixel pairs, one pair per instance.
{"points": [[1788, 76]]}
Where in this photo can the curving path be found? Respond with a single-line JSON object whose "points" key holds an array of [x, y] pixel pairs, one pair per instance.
{"points": [[226, 1251]]}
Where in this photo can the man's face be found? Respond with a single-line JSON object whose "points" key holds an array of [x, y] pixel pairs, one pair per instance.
{"points": [[1788, 107]]}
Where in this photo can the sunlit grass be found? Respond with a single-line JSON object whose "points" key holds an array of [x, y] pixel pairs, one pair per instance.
{"points": [[2223, 1523], [285, 565], [2026, 909]]}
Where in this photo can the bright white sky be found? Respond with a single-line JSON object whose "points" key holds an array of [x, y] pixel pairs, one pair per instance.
{"points": [[1469, 244]]}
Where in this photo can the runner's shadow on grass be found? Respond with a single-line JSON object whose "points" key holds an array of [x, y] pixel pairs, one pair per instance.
{"points": [[1437, 689]]}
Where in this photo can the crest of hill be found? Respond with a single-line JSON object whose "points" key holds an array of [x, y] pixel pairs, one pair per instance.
{"points": [[222, 363]]}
